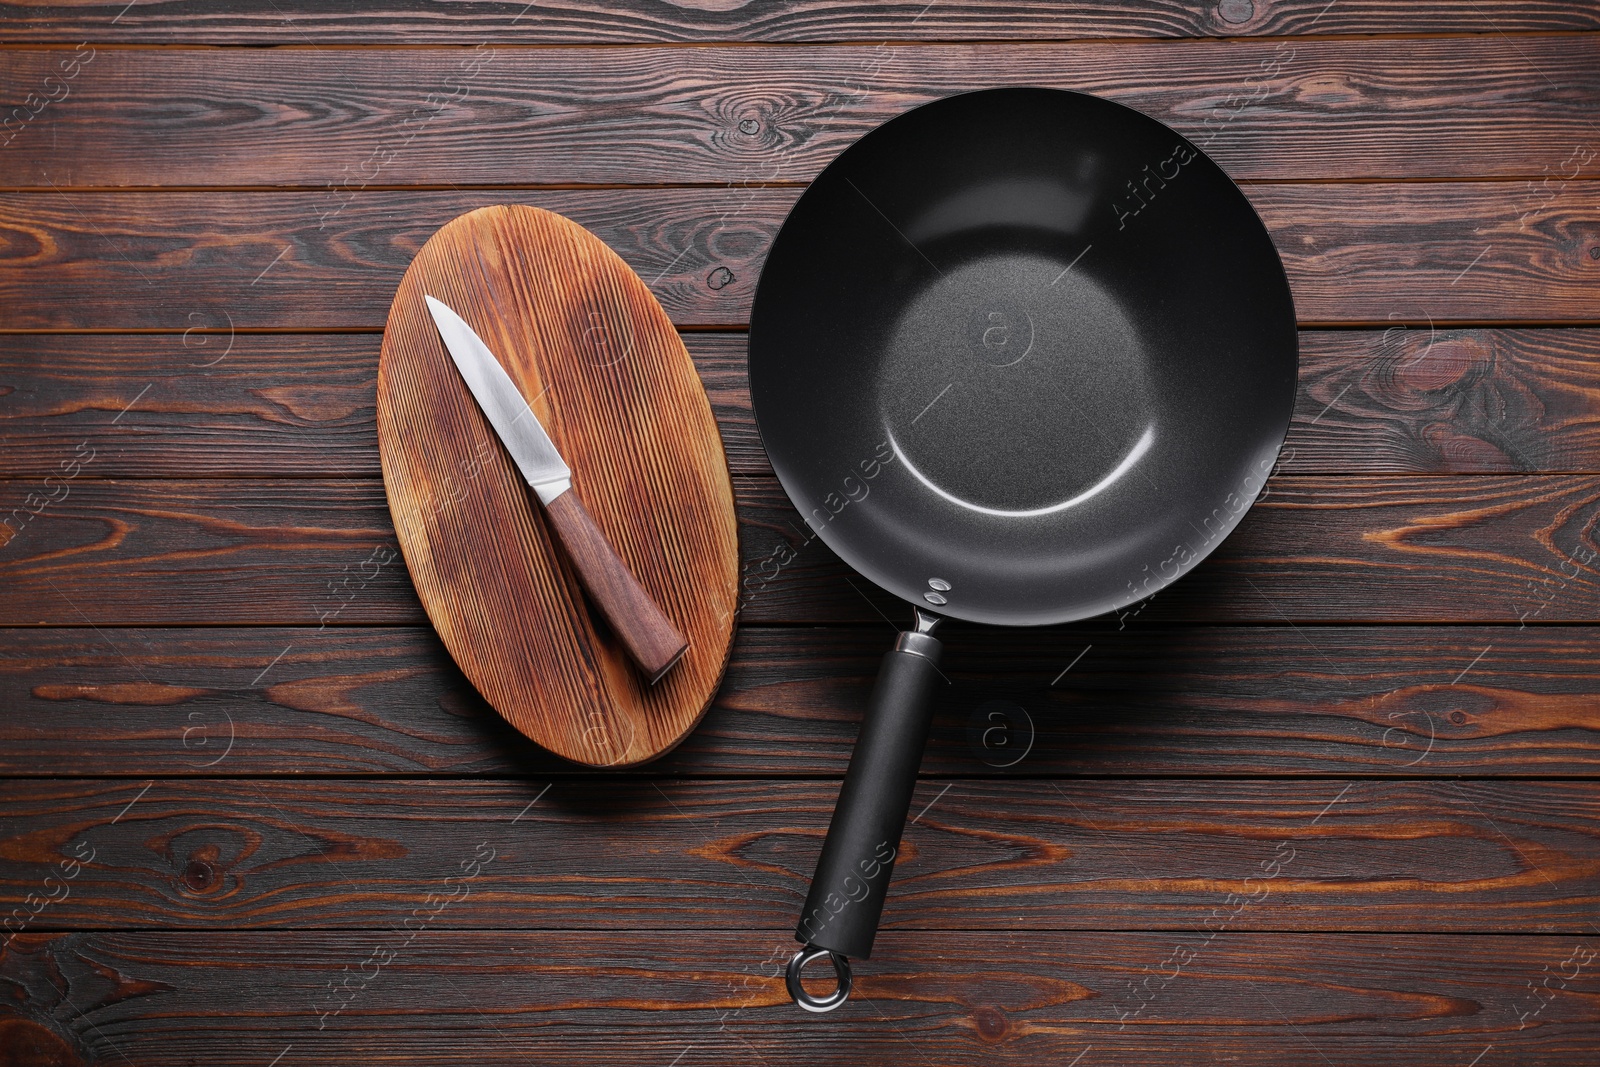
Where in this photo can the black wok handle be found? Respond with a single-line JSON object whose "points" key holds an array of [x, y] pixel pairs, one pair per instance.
{"points": [[852, 876]]}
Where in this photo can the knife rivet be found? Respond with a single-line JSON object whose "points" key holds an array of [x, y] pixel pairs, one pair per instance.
{"points": [[719, 278]]}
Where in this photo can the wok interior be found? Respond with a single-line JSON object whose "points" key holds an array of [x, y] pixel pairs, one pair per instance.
{"points": [[1022, 355]]}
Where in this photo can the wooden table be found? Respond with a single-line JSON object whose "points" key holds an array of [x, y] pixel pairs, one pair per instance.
{"points": [[1330, 800]]}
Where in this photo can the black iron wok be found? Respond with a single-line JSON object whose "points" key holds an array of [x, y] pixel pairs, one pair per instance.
{"points": [[1019, 356]]}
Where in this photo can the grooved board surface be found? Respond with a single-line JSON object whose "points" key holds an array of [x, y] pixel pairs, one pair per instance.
{"points": [[608, 378]]}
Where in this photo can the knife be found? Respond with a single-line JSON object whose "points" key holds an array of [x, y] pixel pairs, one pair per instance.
{"points": [[645, 631]]}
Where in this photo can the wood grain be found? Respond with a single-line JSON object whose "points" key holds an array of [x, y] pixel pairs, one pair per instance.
{"points": [[1142, 700], [1418, 549], [1308, 109], [576, 997], [1374, 253], [612, 385], [1430, 400], [317, 261], [322, 552], [1401, 399], [224, 404], [1022, 855], [305, 798], [1393, 549], [297, 22], [1468, 247]]}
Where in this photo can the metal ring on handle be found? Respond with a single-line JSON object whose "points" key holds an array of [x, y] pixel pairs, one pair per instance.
{"points": [[797, 991]]}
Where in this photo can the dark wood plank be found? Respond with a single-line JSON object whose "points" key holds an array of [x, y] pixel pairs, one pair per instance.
{"points": [[1393, 549], [1375, 253], [1466, 247], [566, 997], [1477, 106], [1438, 400], [221, 404], [278, 22], [1141, 700], [594, 853], [314, 261], [320, 551], [234, 405], [261, 405]]}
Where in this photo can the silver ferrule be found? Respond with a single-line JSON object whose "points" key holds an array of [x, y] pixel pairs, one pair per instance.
{"points": [[920, 641], [548, 491]]}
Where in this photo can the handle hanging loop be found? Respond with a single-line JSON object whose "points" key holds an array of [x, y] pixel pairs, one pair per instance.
{"points": [[797, 991]]}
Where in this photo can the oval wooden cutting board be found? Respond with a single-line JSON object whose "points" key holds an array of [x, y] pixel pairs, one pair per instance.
{"points": [[606, 374]]}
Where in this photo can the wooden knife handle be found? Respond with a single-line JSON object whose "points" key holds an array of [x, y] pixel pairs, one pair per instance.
{"points": [[646, 632]]}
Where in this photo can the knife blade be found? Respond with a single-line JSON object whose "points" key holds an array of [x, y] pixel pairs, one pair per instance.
{"points": [[502, 404], [649, 637]]}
